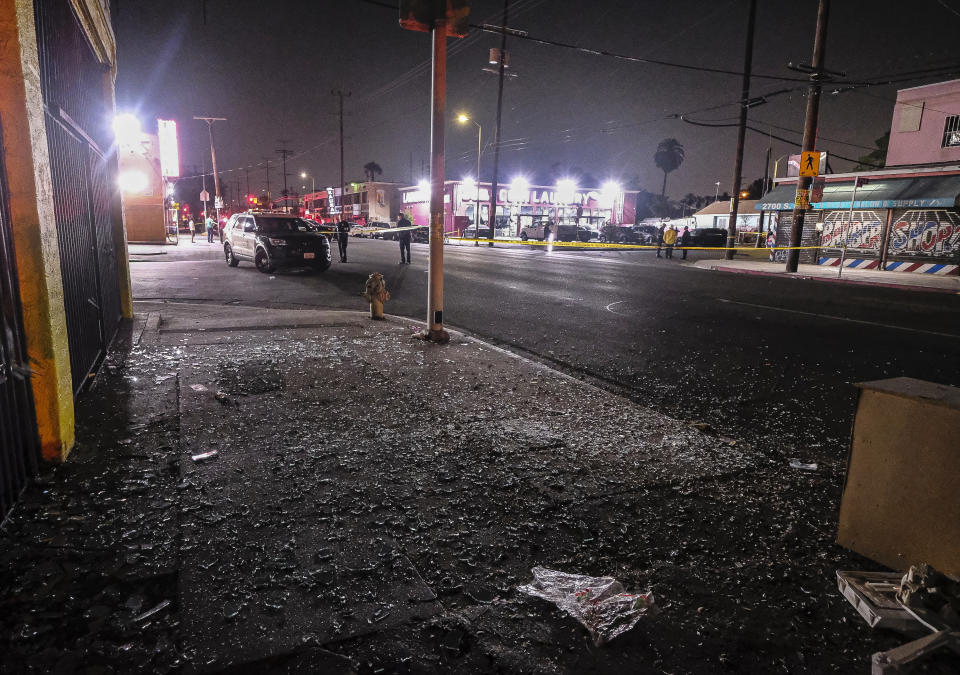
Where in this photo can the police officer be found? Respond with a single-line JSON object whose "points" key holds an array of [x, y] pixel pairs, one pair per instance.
{"points": [[343, 231], [404, 237]]}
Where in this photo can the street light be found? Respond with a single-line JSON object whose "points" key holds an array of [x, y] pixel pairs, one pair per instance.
{"points": [[126, 129], [463, 119], [313, 181], [716, 197]]}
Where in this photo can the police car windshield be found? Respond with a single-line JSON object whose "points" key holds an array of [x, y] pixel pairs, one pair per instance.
{"points": [[282, 225]]}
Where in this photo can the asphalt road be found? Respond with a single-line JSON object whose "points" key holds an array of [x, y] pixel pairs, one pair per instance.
{"points": [[767, 360]]}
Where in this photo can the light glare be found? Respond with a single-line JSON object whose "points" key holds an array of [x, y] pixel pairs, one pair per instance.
{"points": [[133, 182], [126, 129]]}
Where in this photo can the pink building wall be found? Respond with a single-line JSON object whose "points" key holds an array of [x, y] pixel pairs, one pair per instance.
{"points": [[912, 145]]}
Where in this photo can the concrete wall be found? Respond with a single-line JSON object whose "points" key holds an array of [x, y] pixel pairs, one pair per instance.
{"points": [[916, 132]]}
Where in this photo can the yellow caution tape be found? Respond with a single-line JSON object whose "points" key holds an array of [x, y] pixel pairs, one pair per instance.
{"points": [[389, 229], [581, 244]]}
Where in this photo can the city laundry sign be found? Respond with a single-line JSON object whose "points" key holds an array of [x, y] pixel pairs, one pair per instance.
{"points": [[532, 196], [506, 195]]}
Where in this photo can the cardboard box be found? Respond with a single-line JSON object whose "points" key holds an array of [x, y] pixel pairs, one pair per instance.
{"points": [[901, 499]]}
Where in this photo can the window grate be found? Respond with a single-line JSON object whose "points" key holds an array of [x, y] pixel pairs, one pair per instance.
{"points": [[951, 132]]}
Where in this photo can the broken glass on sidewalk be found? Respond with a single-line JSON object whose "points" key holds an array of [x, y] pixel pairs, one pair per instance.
{"points": [[599, 603]]}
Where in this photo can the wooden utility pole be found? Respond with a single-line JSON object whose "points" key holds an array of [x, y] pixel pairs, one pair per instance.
{"points": [[495, 187], [283, 152], [213, 157], [741, 133], [267, 162], [802, 201]]}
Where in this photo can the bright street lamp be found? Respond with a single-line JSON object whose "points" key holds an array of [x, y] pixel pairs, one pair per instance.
{"points": [[463, 119], [716, 197], [126, 129], [313, 181]]}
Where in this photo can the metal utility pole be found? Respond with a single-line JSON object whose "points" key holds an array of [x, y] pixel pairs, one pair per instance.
{"points": [[801, 203], [247, 170], [340, 93], [283, 152], [495, 187], [476, 215], [435, 331], [213, 157], [741, 132]]}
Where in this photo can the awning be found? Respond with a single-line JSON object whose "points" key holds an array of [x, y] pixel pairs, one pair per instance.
{"points": [[879, 193], [779, 198]]}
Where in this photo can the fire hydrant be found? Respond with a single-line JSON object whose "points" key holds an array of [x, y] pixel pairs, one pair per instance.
{"points": [[375, 292]]}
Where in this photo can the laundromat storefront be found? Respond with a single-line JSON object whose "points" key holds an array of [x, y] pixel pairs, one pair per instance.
{"points": [[902, 223], [592, 206]]}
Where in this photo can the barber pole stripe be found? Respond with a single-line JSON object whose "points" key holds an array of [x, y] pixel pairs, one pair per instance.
{"points": [[922, 268], [859, 263]]}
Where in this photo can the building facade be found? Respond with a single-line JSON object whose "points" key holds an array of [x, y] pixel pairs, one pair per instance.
{"points": [[592, 206], [362, 203], [903, 218], [926, 126]]}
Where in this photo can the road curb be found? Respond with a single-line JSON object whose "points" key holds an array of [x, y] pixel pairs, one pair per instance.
{"points": [[797, 275]]}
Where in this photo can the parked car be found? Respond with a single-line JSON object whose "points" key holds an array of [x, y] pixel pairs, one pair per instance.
{"points": [[377, 225], [629, 234], [421, 235], [708, 236], [470, 232], [327, 229], [358, 230], [534, 227], [273, 240]]}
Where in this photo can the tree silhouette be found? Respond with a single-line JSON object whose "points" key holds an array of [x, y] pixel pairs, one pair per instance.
{"points": [[875, 159], [372, 170], [668, 157]]}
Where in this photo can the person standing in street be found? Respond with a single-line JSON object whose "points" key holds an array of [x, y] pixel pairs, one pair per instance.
{"points": [[660, 238], [343, 232], [193, 229], [404, 237], [209, 224], [669, 239], [685, 241]]}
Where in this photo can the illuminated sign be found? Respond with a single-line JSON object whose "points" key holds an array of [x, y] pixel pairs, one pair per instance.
{"points": [[169, 150], [506, 195]]}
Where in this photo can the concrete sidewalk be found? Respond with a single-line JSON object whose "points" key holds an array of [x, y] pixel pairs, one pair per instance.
{"points": [[376, 500], [907, 280]]}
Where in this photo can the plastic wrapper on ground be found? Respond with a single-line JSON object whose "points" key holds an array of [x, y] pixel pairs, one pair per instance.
{"points": [[601, 604]]}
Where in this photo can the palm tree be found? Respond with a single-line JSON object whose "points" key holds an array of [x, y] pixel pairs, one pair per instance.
{"points": [[372, 169], [668, 157]]}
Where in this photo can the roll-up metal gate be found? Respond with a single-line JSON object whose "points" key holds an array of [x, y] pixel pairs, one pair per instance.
{"points": [[78, 133]]}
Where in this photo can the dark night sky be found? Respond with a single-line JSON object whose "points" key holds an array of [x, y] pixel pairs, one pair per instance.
{"points": [[269, 67]]}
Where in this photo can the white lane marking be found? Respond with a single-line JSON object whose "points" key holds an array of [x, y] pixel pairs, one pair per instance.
{"points": [[615, 312], [842, 318]]}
